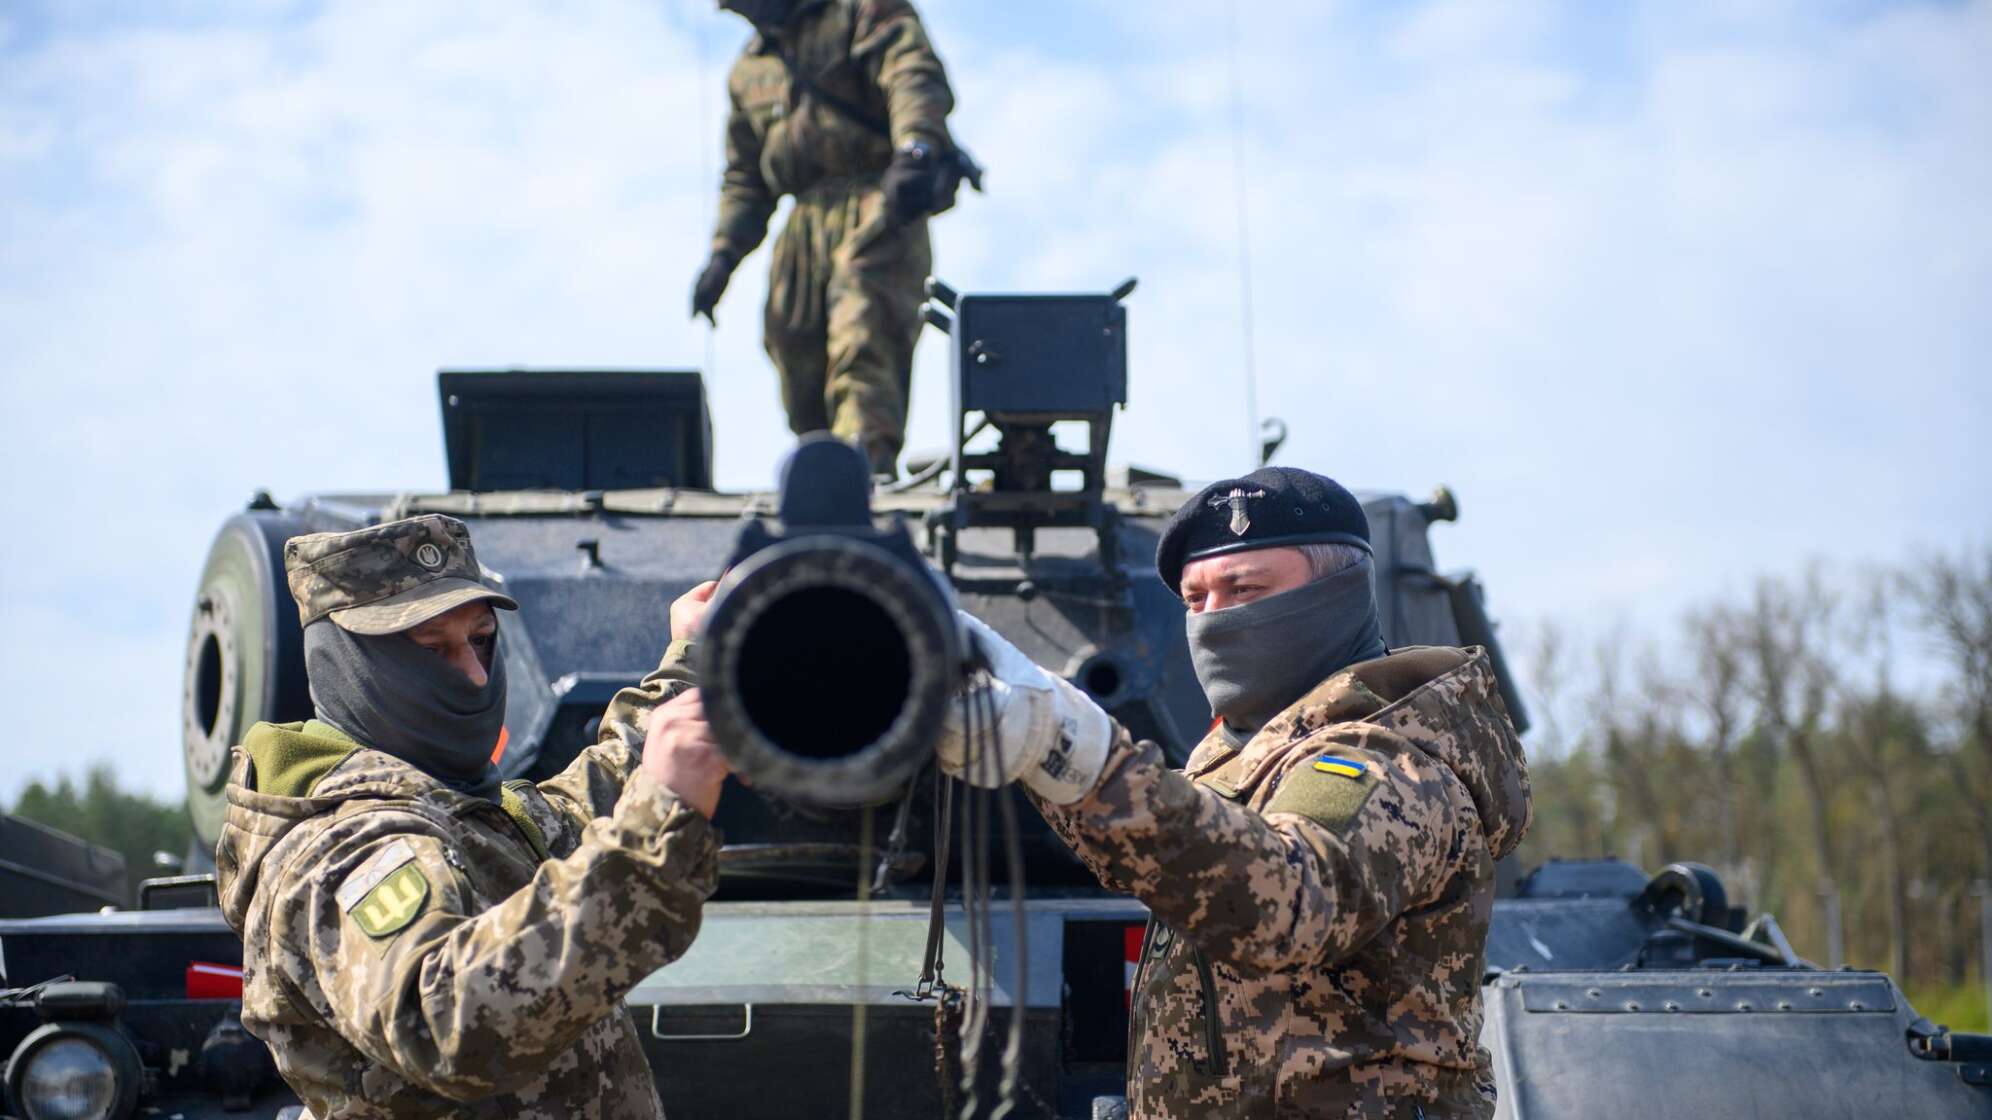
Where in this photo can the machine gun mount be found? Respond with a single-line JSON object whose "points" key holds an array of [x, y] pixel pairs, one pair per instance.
{"points": [[1025, 363]]}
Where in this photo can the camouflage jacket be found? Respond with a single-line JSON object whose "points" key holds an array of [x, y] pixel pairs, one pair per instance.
{"points": [[410, 951], [870, 54], [1320, 897]]}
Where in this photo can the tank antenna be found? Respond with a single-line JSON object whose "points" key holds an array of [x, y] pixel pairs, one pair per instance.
{"points": [[704, 145], [1244, 235]]}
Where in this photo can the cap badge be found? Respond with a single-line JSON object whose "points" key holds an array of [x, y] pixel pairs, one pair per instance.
{"points": [[1240, 520], [429, 556]]}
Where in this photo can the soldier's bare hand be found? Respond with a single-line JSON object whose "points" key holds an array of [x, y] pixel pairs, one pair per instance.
{"points": [[688, 611], [679, 752]]}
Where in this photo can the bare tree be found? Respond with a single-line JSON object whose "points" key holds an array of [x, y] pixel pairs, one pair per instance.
{"points": [[1953, 599], [1547, 666], [1568, 820], [1786, 635], [1718, 692], [1872, 728], [1630, 727]]}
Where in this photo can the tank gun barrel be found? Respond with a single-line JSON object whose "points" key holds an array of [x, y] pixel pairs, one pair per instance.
{"points": [[831, 650]]}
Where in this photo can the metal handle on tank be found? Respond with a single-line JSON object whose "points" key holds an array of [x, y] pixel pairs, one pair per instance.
{"points": [[657, 1031]]}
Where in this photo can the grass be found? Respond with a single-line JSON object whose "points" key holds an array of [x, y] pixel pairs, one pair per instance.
{"points": [[1960, 1007]]}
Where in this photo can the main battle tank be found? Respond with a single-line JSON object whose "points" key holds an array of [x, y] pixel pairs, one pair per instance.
{"points": [[589, 496]]}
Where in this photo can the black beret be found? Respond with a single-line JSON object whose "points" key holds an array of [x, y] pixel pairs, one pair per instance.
{"points": [[1273, 507]]}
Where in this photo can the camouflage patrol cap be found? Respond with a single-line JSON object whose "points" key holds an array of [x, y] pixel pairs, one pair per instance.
{"points": [[387, 578]]}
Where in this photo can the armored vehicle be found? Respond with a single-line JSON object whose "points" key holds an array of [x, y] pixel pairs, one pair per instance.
{"points": [[45, 871], [589, 494]]}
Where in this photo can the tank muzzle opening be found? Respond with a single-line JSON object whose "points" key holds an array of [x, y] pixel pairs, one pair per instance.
{"points": [[824, 672]]}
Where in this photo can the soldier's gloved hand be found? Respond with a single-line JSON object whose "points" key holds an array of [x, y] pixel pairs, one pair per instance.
{"points": [[1048, 734], [711, 284], [909, 183]]}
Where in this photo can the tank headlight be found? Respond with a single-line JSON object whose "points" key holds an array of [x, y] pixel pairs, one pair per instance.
{"points": [[73, 1071]]}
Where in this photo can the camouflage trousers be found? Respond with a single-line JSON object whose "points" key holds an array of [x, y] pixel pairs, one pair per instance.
{"points": [[843, 313]]}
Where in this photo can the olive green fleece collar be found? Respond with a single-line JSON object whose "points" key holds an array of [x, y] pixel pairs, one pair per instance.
{"points": [[290, 758]]}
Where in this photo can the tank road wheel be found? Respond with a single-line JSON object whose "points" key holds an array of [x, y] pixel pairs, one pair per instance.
{"points": [[245, 661]]}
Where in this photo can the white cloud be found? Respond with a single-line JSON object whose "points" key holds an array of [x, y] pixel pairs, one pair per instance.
{"points": [[1669, 301], [1451, 32]]}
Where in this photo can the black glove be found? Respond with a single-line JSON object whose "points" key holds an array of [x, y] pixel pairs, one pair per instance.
{"points": [[711, 284], [909, 182]]}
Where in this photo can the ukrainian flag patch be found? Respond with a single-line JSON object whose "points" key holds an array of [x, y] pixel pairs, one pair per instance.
{"points": [[1345, 767], [1328, 790]]}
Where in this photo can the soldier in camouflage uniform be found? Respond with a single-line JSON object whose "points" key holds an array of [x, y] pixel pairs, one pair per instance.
{"points": [[1321, 874], [418, 939], [862, 153]]}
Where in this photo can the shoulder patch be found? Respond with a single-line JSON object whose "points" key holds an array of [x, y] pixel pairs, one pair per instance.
{"points": [[394, 902], [1345, 767], [1328, 790], [369, 874]]}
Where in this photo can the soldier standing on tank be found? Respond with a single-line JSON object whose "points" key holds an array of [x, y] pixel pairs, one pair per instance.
{"points": [[418, 938], [1321, 874], [842, 104]]}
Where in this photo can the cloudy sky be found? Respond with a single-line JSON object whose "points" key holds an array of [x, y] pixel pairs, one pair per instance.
{"points": [[1670, 293]]}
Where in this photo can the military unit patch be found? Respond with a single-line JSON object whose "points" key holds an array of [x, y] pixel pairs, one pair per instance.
{"points": [[394, 903], [368, 875], [386, 892], [1330, 791]]}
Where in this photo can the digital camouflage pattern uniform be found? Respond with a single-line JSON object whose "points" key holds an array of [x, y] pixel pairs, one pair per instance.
{"points": [[411, 951], [1319, 933], [845, 285]]}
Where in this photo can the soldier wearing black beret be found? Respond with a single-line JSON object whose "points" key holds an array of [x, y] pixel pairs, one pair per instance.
{"points": [[1321, 873]]}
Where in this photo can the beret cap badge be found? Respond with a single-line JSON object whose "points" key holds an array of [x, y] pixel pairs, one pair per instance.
{"points": [[1241, 520]]}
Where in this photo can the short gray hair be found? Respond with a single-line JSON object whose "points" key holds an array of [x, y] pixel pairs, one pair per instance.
{"points": [[1326, 558]]}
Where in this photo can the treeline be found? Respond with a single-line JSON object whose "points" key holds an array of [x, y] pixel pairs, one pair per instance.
{"points": [[1825, 743]]}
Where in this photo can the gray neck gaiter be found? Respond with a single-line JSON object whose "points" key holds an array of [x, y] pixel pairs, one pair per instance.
{"points": [[400, 699], [1255, 660]]}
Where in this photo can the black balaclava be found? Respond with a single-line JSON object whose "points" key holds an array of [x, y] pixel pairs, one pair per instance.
{"points": [[394, 696], [1257, 659]]}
